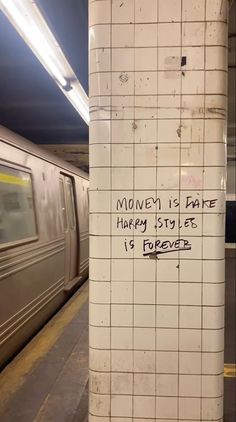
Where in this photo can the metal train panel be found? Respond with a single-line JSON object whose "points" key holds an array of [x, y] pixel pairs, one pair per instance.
{"points": [[39, 235]]}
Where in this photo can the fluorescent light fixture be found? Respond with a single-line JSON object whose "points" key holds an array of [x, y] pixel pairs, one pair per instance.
{"points": [[79, 100], [27, 19]]}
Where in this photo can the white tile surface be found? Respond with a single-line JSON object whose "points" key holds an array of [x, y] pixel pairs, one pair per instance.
{"points": [[193, 10], [144, 361], [121, 338], [121, 383], [167, 362], [99, 405], [167, 385], [216, 10], [169, 34], [144, 13], [189, 408], [169, 10], [166, 407], [144, 384], [144, 315], [144, 338], [121, 405], [145, 35], [100, 382], [121, 360], [122, 12], [99, 360], [190, 385], [193, 34], [144, 406], [122, 36], [99, 315], [121, 315], [157, 143], [190, 363]]}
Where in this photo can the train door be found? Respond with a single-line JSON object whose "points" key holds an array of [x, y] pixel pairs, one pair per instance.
{"points": [[70, 227]]}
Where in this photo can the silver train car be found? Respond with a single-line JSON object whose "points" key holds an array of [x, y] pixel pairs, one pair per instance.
{"points": [[43, 238]]}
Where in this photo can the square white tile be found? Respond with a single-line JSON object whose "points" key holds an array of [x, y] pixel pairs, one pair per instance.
{"points": [[144, 384], [99, 37], [122, 155], [122, 35], [99, 315], [190, 408], [121, 405], [169, 34], [144, 13], [145, 35], [121, 338], [121, 360], [99, 291], [190, 317], [121, 383], [216, 10], [167, 339], [193, 10], [144, 316], [190, 340], [99, 269], [122, 12], [99, 382], [121, 315], [167, 362], [167, 293], [100, 155], [99, 337], [99, 404], [166, 407], [190, 363], [144, 338], [99, 360], [144, 361], [144, 406], [193, 34], [121, 292], [190, 385], [169, 10], [166, 385], [123, 59], [167, 316]]}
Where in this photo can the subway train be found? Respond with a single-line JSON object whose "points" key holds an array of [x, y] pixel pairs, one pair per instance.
{"points": [[43, 238]]}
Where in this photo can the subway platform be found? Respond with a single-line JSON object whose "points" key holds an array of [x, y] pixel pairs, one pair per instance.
{"points": [[48, 380]]}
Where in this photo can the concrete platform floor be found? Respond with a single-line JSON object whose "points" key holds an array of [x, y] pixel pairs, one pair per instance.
{"points": [[48, 380]]}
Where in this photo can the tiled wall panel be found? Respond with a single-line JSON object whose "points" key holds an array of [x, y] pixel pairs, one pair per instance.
{"points": [[158, 86]]}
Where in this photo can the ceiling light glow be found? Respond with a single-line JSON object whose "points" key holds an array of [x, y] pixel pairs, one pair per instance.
{"points": [[31, 25]]}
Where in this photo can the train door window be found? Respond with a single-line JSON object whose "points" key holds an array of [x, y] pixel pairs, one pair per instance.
{"points": [[70, 230], [63, 203], [71, 207], [88, 196], [17, 214]]}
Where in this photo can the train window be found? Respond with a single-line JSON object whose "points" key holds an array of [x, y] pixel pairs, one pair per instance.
{"points": [[72, 204], [17, 217], [88, 195], [63, 204]]}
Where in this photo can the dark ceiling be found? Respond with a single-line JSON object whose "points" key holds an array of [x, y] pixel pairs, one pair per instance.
{"points": [[31, 103]]}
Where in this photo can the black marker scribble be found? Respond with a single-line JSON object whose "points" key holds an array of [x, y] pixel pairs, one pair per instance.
{"points": [[154, 254]]}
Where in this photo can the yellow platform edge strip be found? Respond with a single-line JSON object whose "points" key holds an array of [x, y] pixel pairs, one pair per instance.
{"points": [[230, 370]]}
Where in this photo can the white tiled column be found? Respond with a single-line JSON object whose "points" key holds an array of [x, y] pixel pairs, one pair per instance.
{"points": [[158, 73]]}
